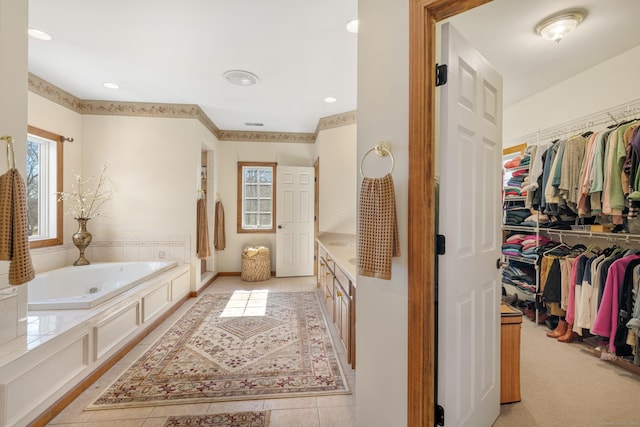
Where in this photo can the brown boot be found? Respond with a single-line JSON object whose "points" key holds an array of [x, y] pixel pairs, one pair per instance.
{"points": [[569, 336], [559, 331]]}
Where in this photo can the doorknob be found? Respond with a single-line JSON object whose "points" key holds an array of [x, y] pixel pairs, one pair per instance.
{"points": [[500, 264]]}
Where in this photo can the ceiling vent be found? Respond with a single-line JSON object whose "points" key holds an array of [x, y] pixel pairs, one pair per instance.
{"points": [[253, 124]]}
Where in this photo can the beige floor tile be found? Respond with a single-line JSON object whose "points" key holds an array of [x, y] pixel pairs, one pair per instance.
{"points": [[291, 403], [307, 417], [119, 414], [235, 406], [294, 412], [190, 409], [342, 416], [336, 400], [154, 422]]}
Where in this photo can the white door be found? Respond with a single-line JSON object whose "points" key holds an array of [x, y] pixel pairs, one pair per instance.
{"points": [[470, 219], [294, 221]]}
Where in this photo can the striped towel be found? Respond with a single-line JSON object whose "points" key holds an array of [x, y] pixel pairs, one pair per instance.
{"points": [[14, 233], [377, 228]]}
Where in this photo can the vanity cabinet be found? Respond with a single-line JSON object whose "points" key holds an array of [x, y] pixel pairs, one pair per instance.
{"points": [[338, 292]]}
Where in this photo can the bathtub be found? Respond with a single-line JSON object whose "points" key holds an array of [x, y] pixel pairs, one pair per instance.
{"points": [[85, 287]]}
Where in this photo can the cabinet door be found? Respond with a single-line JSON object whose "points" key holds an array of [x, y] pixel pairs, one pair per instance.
{"points": [[344, 323], [328, 293]]}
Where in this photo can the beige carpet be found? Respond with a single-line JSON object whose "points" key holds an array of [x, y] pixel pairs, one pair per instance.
{"points": [[245, 345], [227, 419], [564, 385]]}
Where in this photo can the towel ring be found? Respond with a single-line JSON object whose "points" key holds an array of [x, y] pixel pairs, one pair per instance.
{"points": [[382, 149], [11, 161]]}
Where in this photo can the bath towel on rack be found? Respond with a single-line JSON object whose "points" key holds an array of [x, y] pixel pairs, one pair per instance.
{"points": [[203, 250], [377, 227], [219, 238], [14, 234]]}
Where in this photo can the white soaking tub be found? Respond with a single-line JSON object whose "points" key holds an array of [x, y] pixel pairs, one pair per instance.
{"points": [[84, 287]]}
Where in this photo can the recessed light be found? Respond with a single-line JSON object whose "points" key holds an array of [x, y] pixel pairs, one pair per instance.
{"points": [[241, 77], [39, 34], [110, 85], [352, 26], [330, 100]]}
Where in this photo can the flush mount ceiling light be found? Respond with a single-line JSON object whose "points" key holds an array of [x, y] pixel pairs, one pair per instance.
{"points": [[352, 26], [556, 26], [39, 34], [330, 100], [240, 77], [110, 85]]}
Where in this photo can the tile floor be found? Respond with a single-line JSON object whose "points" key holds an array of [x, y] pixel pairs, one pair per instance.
{"points": [[320, 411]]}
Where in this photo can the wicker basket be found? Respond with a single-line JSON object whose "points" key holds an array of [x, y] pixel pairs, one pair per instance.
{"points": [[256, 268]]}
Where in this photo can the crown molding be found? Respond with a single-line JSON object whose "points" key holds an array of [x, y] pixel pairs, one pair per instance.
{"points": [[337, 120], [153, 109], [249, 136]]}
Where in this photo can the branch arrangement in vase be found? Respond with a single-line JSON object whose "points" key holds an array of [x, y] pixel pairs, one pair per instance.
{"points": [[84, 202]]}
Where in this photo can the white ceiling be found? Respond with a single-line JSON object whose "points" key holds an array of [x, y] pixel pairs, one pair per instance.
{"points": [[176, 52]]}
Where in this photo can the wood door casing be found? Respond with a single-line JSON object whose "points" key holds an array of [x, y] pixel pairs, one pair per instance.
{"points": [[423, 15]]}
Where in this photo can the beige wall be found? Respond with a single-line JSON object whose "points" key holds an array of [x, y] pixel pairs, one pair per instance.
{"points": [[229, 154], [336, 149], [154, 168], [381, 322], [605, 85], [13, 121]]}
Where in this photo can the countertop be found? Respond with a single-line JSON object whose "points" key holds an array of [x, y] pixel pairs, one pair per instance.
{"points": [[342, 248]]}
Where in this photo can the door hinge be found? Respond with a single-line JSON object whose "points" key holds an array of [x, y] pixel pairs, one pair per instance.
{"points": [[439, 415], [441, 74], [440, 244]]}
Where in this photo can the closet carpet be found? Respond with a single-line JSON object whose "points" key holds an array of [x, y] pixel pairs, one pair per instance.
{"points": [[564, 385]]}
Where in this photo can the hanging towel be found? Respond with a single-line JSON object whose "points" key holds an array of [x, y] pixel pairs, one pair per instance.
{"points": [[378, 227], [203, 230], [219, 238], [14, 233]]}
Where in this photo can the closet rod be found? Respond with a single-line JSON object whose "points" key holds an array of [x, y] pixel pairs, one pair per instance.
{"points": [[581, 124]]}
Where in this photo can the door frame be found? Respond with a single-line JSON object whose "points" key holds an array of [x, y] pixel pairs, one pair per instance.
{"points": [[423, 16]]}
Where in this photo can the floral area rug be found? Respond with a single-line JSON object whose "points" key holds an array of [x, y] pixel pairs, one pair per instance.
{"points": [[227, 419], [245, 345]]}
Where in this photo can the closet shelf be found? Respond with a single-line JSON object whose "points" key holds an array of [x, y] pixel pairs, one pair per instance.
{"points": [[611, 237], [525, 229], [516, 169], [515, 198], [508, 258]]}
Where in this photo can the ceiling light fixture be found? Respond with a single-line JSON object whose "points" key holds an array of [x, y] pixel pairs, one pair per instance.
{"points": [[110, 85], [39, 34], [330, 100], [556, 26], [240, 77], [352, 26]]}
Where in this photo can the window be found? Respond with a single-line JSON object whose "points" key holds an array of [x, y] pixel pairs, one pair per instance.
{"points": [[256, 197], [43, 182]]}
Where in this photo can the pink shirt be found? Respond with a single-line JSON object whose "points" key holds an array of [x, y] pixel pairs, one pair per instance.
{"points": [[606, 322]]}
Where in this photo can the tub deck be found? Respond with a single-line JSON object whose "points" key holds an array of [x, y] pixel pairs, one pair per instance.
{"points": [[62, 347]]}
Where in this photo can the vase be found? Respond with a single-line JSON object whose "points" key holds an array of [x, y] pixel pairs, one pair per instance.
{"points": [[82, 239]]}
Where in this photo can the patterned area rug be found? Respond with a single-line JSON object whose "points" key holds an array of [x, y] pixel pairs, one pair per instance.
{"points": [[245, 345], [227, 419]]}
